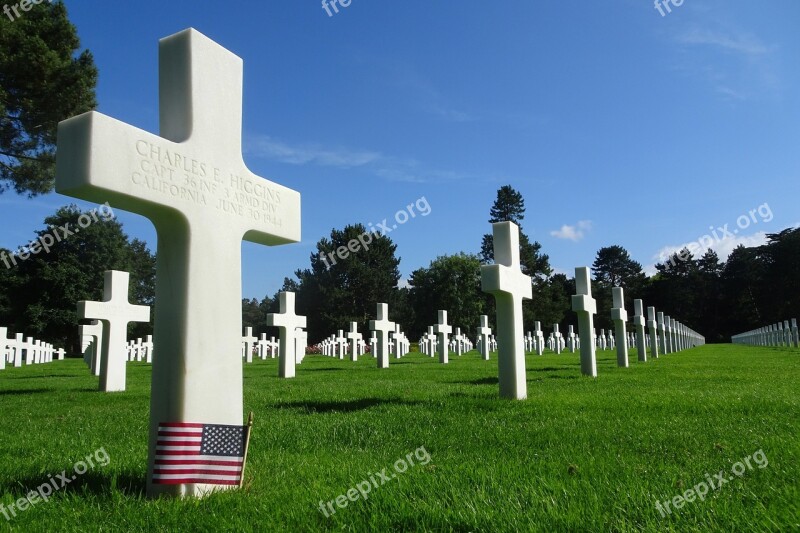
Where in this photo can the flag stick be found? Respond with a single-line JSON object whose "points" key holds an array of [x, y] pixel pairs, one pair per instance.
{"points": [[246, 447]]}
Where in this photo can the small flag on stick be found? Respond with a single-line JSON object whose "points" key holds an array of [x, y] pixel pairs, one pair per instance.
{"points": [[213, 454]]}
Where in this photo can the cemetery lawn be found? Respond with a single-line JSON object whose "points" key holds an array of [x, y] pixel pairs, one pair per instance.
{"points": [[579, 454]]}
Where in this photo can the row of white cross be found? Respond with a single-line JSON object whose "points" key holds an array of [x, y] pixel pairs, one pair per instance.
{"points": [[264, 348], [21, 349], [778, 334], [353, 344]]}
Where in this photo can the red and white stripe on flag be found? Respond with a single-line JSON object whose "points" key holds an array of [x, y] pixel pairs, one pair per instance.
{"points": [[199, 453]]}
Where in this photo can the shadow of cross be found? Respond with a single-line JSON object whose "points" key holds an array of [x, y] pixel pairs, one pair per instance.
{"points": [[509, 286], [192, 183], [115, 313]]}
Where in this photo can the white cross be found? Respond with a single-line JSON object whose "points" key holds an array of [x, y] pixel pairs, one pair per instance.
{"points": [[484, 331], [662, 333], [5, 344], [586, 307], [115, 313], [192, 183], [442, 330], [148, 347], [619, 316], [91, 342], [652, 327], [249, 341], [382, 327], [287, 322], [509, 286], [354, 336], [639, 323]]}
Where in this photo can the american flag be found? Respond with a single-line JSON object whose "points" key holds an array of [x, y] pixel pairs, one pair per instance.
{"points": [[199, 453]]}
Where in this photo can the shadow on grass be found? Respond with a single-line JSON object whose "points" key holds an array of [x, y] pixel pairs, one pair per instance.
{"points": [[322, 369], [40, 376], [96, 483], [553, 368], [21, 392], [347, 406]]}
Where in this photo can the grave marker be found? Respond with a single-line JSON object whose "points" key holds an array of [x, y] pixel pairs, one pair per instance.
{"points": [[354, 336], [509, 286], [442, 330], [287, 322], [115, 313], [586, 307], [382, 327], [652, 326], [484, 331], [619, 315], [639, 322], [192, 183]]}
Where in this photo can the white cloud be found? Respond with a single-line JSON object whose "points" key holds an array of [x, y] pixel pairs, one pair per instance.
{"points": [[742, 43], [387, 167], [573, 233], [738, 65], [269, 148]]}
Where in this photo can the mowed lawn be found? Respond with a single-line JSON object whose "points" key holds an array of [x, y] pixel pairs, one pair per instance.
{"points": [[579, 454]]}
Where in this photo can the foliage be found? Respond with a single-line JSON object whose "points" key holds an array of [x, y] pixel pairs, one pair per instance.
{"points": [[42, 82], [451, 283], [39, 295]]}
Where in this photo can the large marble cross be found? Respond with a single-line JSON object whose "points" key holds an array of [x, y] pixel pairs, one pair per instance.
{"points": [[509, 286], [192, 183]]}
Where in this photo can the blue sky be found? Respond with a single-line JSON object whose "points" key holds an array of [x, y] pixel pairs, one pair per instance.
{"points": [[617, 124]]}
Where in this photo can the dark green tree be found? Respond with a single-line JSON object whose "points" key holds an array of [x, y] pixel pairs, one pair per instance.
{"points": [[742, 279], [41, 290], [451, 283], [43, 80], [613, 267], [343, 286], [780, 257], [709, 296]]}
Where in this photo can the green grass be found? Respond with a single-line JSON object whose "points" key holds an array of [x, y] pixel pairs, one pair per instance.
{"points": [[579, 454]]}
